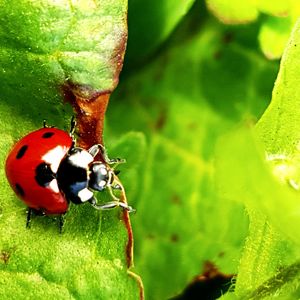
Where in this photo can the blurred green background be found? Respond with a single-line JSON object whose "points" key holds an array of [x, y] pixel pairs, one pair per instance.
{"points": [[194, 74]]}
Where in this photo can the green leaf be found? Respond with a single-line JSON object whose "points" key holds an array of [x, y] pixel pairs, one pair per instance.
{"points": [[184, 100], [131, 146], [274, 29], [270, 264], [279, 125], [237, 12], [45, 44], [150, 24], [276, 7], [233, 11]]}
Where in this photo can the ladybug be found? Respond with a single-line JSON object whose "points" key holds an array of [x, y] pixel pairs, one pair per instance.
{"points": [[47, 171]]}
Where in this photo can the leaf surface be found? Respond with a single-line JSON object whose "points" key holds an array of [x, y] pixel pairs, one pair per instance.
{"points": [[45, 44], [269, 266], [185, 100]]}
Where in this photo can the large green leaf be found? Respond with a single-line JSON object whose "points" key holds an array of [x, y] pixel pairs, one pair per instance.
{"points": [[274, 29], [150, 23], [82, 42], [44, 45], [279, 125], [188, 97], [269, 267], [237, 12], [276, 26]]}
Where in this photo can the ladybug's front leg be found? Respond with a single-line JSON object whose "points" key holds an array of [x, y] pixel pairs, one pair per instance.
{"points": [[111, 205], [94, 150]]}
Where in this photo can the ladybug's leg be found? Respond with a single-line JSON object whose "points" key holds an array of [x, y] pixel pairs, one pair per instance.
{"points": [[45, 124], [72, 130], [117, 186], [94, 150], [61, 221], [111, 205], [28, 218], [110, 161], [72, 126], [114, 187]]}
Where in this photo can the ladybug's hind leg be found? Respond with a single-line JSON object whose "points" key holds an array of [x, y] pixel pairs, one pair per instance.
{"points": [[31, 212]]}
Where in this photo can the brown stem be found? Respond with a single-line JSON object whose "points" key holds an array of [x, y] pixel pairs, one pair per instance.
{"points": [[90, 111]]}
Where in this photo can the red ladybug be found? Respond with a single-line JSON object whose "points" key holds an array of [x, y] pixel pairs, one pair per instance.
{"points": [[47, 171]]}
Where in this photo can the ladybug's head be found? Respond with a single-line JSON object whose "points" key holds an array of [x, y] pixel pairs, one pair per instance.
{"points": [[100, 176]]}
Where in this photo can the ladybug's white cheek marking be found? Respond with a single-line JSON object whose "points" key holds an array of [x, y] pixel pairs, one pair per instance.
{"points": [[103, 170], [102, 183], [85, 195], [54, 157], [54, 186], [81, 159]]}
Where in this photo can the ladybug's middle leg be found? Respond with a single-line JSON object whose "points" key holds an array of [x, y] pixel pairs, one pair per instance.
{"points": [[61, 220]]}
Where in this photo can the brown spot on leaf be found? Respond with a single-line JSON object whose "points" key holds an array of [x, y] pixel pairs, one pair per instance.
{"points": [[193, 126], [221, 254], [150, 236], [209, 285], [174, 238], [161, 120], [175, 199], [227, 37], [6, 254], [217, 55]]}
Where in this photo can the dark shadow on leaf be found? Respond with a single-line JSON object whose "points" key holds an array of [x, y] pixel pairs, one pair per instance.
{"points": [[209, 285]]}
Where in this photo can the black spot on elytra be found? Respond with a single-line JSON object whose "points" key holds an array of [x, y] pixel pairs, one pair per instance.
{"points": [[22, 151], [43, 174], [47, 135], [19, 190]]}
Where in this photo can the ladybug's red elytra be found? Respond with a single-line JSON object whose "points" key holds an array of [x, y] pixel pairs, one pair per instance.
{"points": [[47, 171]]}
